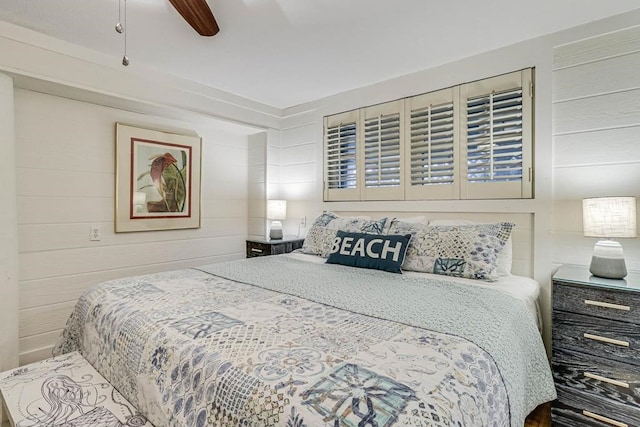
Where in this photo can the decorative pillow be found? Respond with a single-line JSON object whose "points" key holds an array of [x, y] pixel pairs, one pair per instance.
{"points": [[318, 241], [399, 226], [421, 219], [380, 252], [469, 251], [320, 237], [505, 257]]}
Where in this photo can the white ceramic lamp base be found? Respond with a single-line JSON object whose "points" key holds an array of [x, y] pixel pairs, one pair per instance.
{"points": [[275, 233], [608, 260]]}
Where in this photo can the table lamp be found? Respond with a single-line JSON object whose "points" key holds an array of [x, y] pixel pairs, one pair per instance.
{"points": [[276, 211], [609, 217]]}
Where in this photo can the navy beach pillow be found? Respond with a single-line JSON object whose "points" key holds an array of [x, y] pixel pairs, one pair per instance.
{"points": [[380, 252]]}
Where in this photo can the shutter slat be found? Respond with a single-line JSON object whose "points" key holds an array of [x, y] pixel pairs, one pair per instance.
{"points": [[494, 136], [431, 145], [382, 151], [340, 152]]}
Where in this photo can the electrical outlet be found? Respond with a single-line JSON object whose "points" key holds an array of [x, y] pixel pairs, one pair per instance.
{"points": [[95, 233], [303, 221]]}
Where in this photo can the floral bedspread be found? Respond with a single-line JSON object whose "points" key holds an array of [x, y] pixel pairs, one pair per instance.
{"points": [[192, 348]]}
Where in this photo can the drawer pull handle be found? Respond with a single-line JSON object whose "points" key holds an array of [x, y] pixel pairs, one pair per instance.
{"points": [[604, 419], [607, 305], [606, 380], [256, 250], [607, 340]]}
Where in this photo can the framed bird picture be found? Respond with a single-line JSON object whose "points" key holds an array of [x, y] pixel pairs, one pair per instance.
{"points": [[157, 180]]}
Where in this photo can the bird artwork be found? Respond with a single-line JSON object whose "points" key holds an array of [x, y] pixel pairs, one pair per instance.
{"points": [[168, 181]]}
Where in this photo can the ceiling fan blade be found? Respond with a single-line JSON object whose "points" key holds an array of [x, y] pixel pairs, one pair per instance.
{"points": [[197, 14]]}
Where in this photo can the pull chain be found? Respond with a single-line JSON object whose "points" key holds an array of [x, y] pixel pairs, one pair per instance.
{"points": [[122, 29], [119, 27], [125, 58]]}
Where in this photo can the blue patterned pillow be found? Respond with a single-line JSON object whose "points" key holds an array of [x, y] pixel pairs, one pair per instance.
{"points": [[320, 237], [380, 252], [469, 251]]}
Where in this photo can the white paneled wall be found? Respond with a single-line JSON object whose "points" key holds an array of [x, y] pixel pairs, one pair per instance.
{"points": [[8, 231], [302, 153], [299, 174], [65, 170], [274, 139], [596, 112], [302, 161], [587, 141], [257, 184]]}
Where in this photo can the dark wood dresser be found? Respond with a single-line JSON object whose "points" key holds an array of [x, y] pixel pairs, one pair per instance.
{"points": [[596, 349], [264, 247]]}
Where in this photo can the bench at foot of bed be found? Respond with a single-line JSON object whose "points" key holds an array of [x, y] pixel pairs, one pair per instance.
{"points": [[64, 390]]}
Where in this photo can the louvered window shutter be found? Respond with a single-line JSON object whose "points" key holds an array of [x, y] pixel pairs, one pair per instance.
{"points": [[496, 137], [431, 124], [473, 141], [341, 157], [383, 152]]}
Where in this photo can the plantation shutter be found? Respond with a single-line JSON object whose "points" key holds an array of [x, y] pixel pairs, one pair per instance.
{"points": [[383, 152], [341, 157], [432, 170], [496, 137]]}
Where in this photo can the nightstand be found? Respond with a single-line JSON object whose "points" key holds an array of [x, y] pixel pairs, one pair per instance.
{"points": [[264, 247], [596, 349]]}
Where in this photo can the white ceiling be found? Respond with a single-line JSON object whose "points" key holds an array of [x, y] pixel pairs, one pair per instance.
{"points": [[287, 52]]}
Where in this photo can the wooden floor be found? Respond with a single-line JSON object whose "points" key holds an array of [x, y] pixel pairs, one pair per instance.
{"points": [[541, 417]]}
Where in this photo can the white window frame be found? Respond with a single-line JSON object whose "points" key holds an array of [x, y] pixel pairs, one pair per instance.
{"points": [[499, 190], [342, 194], [373, 192], [461, 187], [428, 101]]}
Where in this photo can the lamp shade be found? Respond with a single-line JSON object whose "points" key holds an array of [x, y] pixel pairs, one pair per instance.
{"points": [[277, 209], [609, 217]]}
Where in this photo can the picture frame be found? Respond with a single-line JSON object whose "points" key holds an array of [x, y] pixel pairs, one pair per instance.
{"points": [[157, 180]]}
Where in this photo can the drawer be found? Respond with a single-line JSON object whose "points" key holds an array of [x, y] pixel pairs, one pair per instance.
{"points": [[592, 301], [286, 247], [273, 247], [585, 377], [608, 339], [258, 249], [281, 248], [563, 415]]}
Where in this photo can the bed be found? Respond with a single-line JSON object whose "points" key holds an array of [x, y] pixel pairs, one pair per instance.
{"points": [[290, 340]]}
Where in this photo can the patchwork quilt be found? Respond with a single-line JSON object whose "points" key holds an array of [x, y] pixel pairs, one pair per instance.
{"points": [[275, 341]]}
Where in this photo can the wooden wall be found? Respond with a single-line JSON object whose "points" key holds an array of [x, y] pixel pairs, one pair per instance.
{"points": [[257, 184], [65, 173], [596, 141]]}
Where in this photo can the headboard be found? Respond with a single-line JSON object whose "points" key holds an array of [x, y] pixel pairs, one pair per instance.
{"points": [[522, 234]]}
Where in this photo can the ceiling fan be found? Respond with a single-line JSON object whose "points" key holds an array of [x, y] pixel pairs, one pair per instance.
{"points": [[197, 14]]}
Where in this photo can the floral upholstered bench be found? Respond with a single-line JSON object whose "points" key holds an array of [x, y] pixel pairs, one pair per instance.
{"points": [[64, 390]]}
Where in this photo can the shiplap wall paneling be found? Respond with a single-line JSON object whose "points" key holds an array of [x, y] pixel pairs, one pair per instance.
{"points": [[257, 184], [596, 111], [65, 170], [299, 177], [9, 319], [274, 139]]}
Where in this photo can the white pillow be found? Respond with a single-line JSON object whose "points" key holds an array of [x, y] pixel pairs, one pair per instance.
{"points": [[505, 257]]}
